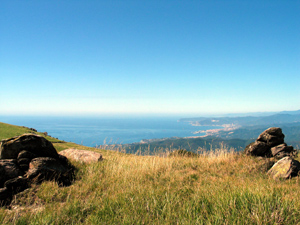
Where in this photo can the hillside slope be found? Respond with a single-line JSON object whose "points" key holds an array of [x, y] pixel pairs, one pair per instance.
{"points": [[9, 131], [213, 188]]}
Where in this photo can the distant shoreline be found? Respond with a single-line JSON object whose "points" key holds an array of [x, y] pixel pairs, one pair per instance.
{"points": [[210, 132]]}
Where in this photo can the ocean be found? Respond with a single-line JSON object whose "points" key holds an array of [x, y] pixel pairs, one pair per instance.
{"points": [[93, 131]]}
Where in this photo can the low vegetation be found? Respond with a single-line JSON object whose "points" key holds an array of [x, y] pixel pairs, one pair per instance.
{"points": [[9, 131], [216, 187], [191, 144]]}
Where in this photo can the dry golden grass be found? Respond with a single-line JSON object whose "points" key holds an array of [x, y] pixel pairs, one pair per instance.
{"points": [[219, 187], [216, 187]]}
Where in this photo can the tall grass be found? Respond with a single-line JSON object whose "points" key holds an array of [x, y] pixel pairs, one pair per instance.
{"points": [[219, 187]]}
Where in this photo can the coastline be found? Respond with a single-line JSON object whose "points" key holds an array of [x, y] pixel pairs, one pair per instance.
{"points": [[210, 132], [92, 131]]}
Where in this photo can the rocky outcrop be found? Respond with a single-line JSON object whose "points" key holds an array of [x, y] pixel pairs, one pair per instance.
{"points": [[81, 155], [9, 169], [10, 148], [272, 137], [258, 148], [270, 143], [282, 150], [24, 159], [46, 168], [16, 184], [29, 159], [285, 168]]}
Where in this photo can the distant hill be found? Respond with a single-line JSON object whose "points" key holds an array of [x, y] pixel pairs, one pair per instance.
{"points": [[290, 112], [279, 118], [190, 144], [249, 127], [290, 130], [243, 130]]}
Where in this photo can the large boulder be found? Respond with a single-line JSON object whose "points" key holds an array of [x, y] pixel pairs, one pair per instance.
{"points": [[272, 137], [9, 182], [46, 168], [285, 168], [5, 196], [24, 158], [257, 148], [12, 187], [8, 170], [270, 143], [16, 184], [38, 145], [281, 151], [81, 155], [28, 159]]}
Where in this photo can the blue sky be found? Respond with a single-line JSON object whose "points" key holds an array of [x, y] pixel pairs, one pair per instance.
{"points": [[149, 57]]}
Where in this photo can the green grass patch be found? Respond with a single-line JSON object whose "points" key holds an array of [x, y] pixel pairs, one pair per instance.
{"points": [[9, 131]]}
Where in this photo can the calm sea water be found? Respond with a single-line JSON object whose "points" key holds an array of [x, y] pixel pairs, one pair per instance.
{"points": [[92, 131]]}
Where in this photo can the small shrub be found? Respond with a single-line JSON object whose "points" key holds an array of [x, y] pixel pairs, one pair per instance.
{"points": [[183, 153]]}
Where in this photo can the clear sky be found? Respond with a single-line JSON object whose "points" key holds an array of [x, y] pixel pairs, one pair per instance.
{"points": [[143, 57]]}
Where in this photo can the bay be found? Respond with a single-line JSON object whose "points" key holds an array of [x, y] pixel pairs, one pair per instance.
{"points": [[93, 131]]}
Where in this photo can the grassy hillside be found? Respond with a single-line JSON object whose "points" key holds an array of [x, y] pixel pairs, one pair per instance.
{"points": [[214, 188], [8, 131]]}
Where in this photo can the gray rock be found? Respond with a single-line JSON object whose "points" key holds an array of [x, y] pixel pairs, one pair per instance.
{"points": [[46, 168], [285, 168], [16, 185], [24, 167], [26, 154], [272, 137], [30, 159], [281, 155], [23, 161], [280, 151], [9, 170], [258, 148], [10, 148], [268, 144], [5, 196], [81, 155]]}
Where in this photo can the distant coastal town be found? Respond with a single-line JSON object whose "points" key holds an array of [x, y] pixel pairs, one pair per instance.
{"points": [[225, 127]]}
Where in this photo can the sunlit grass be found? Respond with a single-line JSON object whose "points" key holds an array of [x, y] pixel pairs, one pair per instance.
{"points": [[220, 187], [9, 131]]}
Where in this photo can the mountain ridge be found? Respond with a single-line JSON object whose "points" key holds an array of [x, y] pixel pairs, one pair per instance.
{"points": [[280, 117]]}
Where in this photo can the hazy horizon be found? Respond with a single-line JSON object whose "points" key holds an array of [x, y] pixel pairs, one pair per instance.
{"points": [[148, 115]]}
